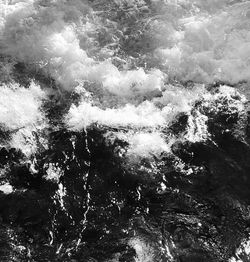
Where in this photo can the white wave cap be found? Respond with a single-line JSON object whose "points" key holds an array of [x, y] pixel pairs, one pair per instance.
{"points": [[21, 115], [199, 41]]}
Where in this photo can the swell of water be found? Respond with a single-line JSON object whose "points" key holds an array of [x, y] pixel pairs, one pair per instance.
{"points": [[123, 117]]}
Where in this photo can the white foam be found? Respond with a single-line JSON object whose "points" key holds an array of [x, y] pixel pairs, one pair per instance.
{"points": [[144, 252], [144, 144], [145, 115], [214, 44], [21, 115], [19, 106], [201, 41], [6, 188]]}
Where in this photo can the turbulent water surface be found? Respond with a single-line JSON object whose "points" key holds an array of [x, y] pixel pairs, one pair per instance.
{"points": [[124, 130]]}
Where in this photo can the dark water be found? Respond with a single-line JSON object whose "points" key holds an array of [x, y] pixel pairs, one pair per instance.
{"points": [[124, 131]]}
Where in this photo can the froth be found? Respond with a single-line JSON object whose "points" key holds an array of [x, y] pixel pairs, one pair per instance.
{"points": [[134, 66], [21, 116]]}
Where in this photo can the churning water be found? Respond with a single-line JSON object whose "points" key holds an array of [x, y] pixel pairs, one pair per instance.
{"points": [[124, 130]]}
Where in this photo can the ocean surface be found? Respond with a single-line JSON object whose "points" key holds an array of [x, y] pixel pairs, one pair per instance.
{"points": [[124, 131]]}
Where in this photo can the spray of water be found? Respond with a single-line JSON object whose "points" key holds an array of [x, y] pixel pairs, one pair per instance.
{"points": [[134, 65]]}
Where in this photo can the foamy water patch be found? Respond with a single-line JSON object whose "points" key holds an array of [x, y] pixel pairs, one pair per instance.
{"points": [[19, 106], [197, 128], [155, 112], [140, 126], [144, 144], [210, 43], [22, 117], [6, 188], [203, 42], [144, 252], [242, 253], [144, 115], [57, 35]]}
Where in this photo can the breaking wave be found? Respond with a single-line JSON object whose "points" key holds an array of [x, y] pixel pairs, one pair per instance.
{"points": [[129, 87]]}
